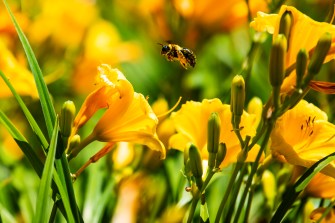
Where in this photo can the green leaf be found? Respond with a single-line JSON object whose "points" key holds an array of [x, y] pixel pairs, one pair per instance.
{"points": [[43, 198], [38, 165], [291, 195], [46, 103], [26, 112], [22, 143]]}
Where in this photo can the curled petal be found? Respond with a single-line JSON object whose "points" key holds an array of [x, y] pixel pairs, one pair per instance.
{"points": [[112, 85], [323, 86], [130, 119]]}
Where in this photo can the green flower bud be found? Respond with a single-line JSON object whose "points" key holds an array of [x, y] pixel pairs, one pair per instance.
{"points": [[66, 118], [213, 138], [74, 142], [237, 100], [221, 154], [301, 65], [277, 61], [285, 24], [320, 53], [196, 164], [213, 133]]}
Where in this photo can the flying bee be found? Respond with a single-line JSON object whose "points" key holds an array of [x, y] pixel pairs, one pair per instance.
{"points": [[173, 52]]}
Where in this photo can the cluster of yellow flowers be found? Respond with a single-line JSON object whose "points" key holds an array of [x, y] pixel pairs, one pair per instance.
{"points": [[300, 134]]}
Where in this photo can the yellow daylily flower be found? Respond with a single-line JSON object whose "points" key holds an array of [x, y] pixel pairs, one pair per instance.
{"points": [[304, 34], [321, 186], [64, 22], [303, 136], [317, 214], [128, 117], [225, 16], [134, 123], [191, 125], [19, 76], [165, 128], [111, 85]]}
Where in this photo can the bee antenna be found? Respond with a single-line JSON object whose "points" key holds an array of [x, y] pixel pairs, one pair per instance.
{"points": [[160, 44]]}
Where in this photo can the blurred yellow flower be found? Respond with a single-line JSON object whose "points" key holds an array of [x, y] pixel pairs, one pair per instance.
{"points": [[63, 21], [303, 136], [317, 213], [304, 34], [223, 16], [102, 43], [18, 75], [191, 124], [128, 118], [321, 186], [165, 128]]}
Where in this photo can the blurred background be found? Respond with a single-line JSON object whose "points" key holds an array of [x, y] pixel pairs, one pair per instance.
{"points": [[71, 38]]}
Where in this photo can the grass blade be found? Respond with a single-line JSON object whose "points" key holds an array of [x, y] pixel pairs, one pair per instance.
{"points": [[22, 143], [26, 112], [43, 92], [292, 194], [45, 186]]}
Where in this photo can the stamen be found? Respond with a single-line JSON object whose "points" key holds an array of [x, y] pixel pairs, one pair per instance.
{"points": [[169, 111]]}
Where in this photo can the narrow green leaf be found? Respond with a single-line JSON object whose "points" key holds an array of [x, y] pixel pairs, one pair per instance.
{"points": [[64, 195], [291, 195], [43, 197], [38, 166], [46, 103], [26, 112], [22, 143]]}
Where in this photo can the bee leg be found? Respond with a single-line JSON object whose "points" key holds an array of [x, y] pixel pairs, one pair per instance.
{"points": [[184, 65]]}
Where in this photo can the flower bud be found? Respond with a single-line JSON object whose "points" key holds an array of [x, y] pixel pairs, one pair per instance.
{"points": [[301, 65], [66, 118], [320, 53], [269, 187], [255, 107], [213, 130], [221, 154], [74, 142], [285, 24], [237, 100], [196, 164], [213, 138], [277, 61]]}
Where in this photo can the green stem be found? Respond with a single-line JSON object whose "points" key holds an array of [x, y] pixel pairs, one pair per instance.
{"points": [[82, 145], [69, 186], [232, 200], [247, 211], [193, 207], [254, 167], [227, 192]]}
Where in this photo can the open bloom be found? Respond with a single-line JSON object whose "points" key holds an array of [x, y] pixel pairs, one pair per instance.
{"points": [[303, 136], [128, 116], [191, 125], [304, 34]]}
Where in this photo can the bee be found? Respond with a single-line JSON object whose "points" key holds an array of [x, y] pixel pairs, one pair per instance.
{"points": [[173, 52]]}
